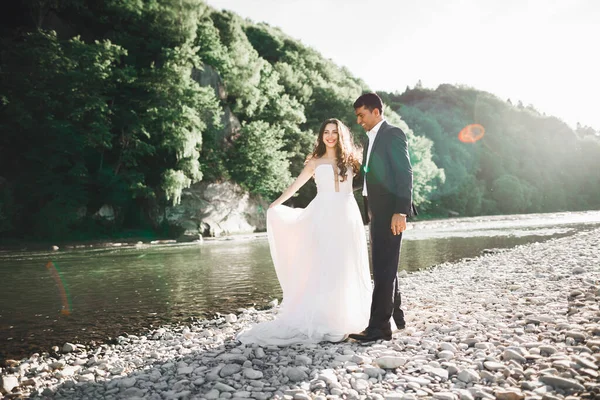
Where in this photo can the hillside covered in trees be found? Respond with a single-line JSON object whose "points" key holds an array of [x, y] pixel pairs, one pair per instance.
{"points": [[126, 104], [526, 162]]}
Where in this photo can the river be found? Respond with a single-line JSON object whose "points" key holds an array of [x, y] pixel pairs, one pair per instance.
{"points": [[93, 293]]}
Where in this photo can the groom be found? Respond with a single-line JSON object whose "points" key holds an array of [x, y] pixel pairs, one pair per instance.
{"points": [[387, 190]]}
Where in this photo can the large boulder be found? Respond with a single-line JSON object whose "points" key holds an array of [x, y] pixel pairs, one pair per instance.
{"points": [[217, 209], [106, 212]]}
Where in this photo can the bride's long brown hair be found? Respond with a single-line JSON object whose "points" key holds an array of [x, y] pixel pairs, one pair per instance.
{"points": [[346, 153]]}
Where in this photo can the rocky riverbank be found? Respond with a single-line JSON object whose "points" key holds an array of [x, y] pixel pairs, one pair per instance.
{"points": [[515, 324]]}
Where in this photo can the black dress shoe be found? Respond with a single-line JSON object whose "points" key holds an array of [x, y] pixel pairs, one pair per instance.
{"points": [[372, 334], [400, 325]]}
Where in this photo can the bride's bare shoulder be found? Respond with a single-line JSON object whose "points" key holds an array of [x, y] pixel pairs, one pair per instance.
{"points": [[311, 161]]}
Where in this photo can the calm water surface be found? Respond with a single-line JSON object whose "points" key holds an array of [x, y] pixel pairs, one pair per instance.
{"points": [[131, 288]]}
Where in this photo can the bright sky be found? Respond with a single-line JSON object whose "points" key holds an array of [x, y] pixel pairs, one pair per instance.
{"points": [[542, 52]]}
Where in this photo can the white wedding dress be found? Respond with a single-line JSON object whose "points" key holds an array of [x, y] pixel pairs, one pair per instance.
{"points": [[321, 259]]}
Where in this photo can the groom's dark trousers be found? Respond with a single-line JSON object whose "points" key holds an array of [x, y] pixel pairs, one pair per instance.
{"points": [[385, 255]]}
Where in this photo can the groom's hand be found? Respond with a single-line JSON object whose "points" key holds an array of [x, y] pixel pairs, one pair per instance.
{"points": [[398, 223]]}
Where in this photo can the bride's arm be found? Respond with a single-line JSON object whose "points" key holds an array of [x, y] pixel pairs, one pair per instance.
{"points": [[305, 175]]}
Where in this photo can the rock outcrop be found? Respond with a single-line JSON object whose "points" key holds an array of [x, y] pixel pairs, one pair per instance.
{"points": [[218, 209]]}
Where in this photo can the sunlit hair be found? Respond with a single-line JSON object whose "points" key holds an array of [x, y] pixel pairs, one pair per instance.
{"points": [[370, 101], [346, 152]]}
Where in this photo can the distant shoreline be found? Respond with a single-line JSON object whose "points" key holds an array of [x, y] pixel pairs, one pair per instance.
{"points": [[133, 242]]}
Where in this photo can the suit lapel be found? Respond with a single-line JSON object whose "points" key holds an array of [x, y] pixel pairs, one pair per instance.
{"points": [[365, 166], [378, 137], [365, 150]]}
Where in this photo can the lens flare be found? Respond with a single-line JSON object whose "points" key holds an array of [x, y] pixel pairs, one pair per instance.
{"points": [[62, 290], [471, 133]]}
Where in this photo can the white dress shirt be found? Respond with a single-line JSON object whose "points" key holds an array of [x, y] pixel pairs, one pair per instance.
{"points": [[372, 134]]}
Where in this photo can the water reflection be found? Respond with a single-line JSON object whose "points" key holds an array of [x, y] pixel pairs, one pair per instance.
{"points": [[129, 289]]}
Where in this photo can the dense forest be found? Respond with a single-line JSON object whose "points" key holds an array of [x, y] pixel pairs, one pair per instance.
{"points": [[527, 162], [127, 104]]}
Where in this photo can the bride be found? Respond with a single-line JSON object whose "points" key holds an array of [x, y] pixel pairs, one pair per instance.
{"points": [[319, 252]]}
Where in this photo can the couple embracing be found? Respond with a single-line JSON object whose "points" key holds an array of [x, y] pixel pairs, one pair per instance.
{"points": [[320, 252]]}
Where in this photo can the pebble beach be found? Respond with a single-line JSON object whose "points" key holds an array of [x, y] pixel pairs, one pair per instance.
{"points": [[522, 323]]}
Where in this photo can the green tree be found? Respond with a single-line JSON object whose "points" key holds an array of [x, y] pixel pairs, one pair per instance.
{"points": [[55, 113], [257, 160], [158, 111], [268, 45], [508, 194]]}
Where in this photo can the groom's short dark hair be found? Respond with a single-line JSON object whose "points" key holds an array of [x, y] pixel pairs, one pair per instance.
{"points": [[370, 101]]}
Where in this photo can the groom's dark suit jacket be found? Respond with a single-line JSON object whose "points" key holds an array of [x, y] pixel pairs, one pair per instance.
{"points": [[389, 174]]}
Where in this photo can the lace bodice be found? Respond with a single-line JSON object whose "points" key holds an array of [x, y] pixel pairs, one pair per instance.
{"points": [[328, 181]]}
